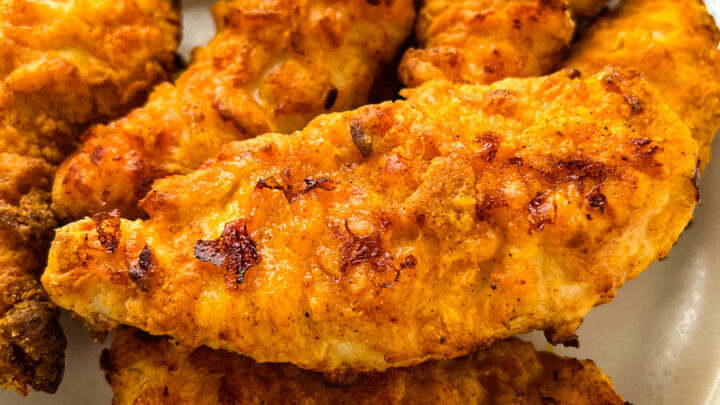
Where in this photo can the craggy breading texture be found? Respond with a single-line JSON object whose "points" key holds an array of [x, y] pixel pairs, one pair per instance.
{"points": [[674, 44], [484, 41], [63, 65], [273, 66], [462, 215], [148, 370]]}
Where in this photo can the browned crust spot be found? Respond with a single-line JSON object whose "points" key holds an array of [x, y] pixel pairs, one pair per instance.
{"points": [[293, 192], [234, 248], [488, 146], [542, 212], [138, 271], [370, 249], [107, 226]]}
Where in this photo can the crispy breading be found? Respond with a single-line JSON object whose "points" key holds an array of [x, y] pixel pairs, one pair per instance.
{"points": [[273, 66], [474, 41], [399, 232], [674, 44], [63, 65], [148, 370]]}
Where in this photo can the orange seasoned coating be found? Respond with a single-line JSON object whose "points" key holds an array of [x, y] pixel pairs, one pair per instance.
{"points": [[473, 41], [147, 370], [674, 44], [273, 66], [63, 65], [66, 64], [400, 232]]}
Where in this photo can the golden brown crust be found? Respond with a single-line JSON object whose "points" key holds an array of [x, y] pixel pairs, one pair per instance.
{"points": [[452, 219], [147, 370], [674, 44], [273, 66], [66, 64], [474, 41], [63, 65]]}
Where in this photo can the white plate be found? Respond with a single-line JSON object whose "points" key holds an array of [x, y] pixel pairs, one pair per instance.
{"points": [[659, 340]]}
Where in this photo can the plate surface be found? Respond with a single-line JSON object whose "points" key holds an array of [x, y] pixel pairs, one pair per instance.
{"points": [[658, 340]]}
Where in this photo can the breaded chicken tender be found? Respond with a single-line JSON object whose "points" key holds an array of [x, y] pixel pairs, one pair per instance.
{"points": [[674, 44], [473, 41], [63, 65], [400, 232], [273, 66], [147, 370]]}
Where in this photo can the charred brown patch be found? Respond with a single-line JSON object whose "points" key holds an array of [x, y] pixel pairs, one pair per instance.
{"points": [[107, 226], [573, 73], [234, 248], [516, 161], [574, 170], [138, 271], [596, 199], [645, 151], [409, 262], [292, 193], [361, 138], [640, 141], [614, 81], [567, 341], [563, 334], [636, 105], [545, 400], [323, 183], [488, 146], [97, 154], [370, 249], [330, 98], [485, 204], [542, 212]]}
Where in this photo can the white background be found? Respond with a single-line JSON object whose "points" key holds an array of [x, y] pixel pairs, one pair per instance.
{"points": [[659, 340]]}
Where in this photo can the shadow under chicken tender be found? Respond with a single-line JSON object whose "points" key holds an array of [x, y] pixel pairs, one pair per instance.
{"points": [[273, 66], [63, 65], [674, 45], [148, 370], [399, 232]]}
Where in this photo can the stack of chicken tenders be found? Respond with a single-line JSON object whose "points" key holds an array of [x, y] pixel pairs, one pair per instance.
{"points": [[341, 201]]}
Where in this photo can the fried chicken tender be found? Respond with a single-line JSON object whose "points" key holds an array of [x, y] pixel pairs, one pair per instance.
{"points": [[674, 44], [146, 370], [400, 232], [273, 66], [64, 64], [474, 41]]}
